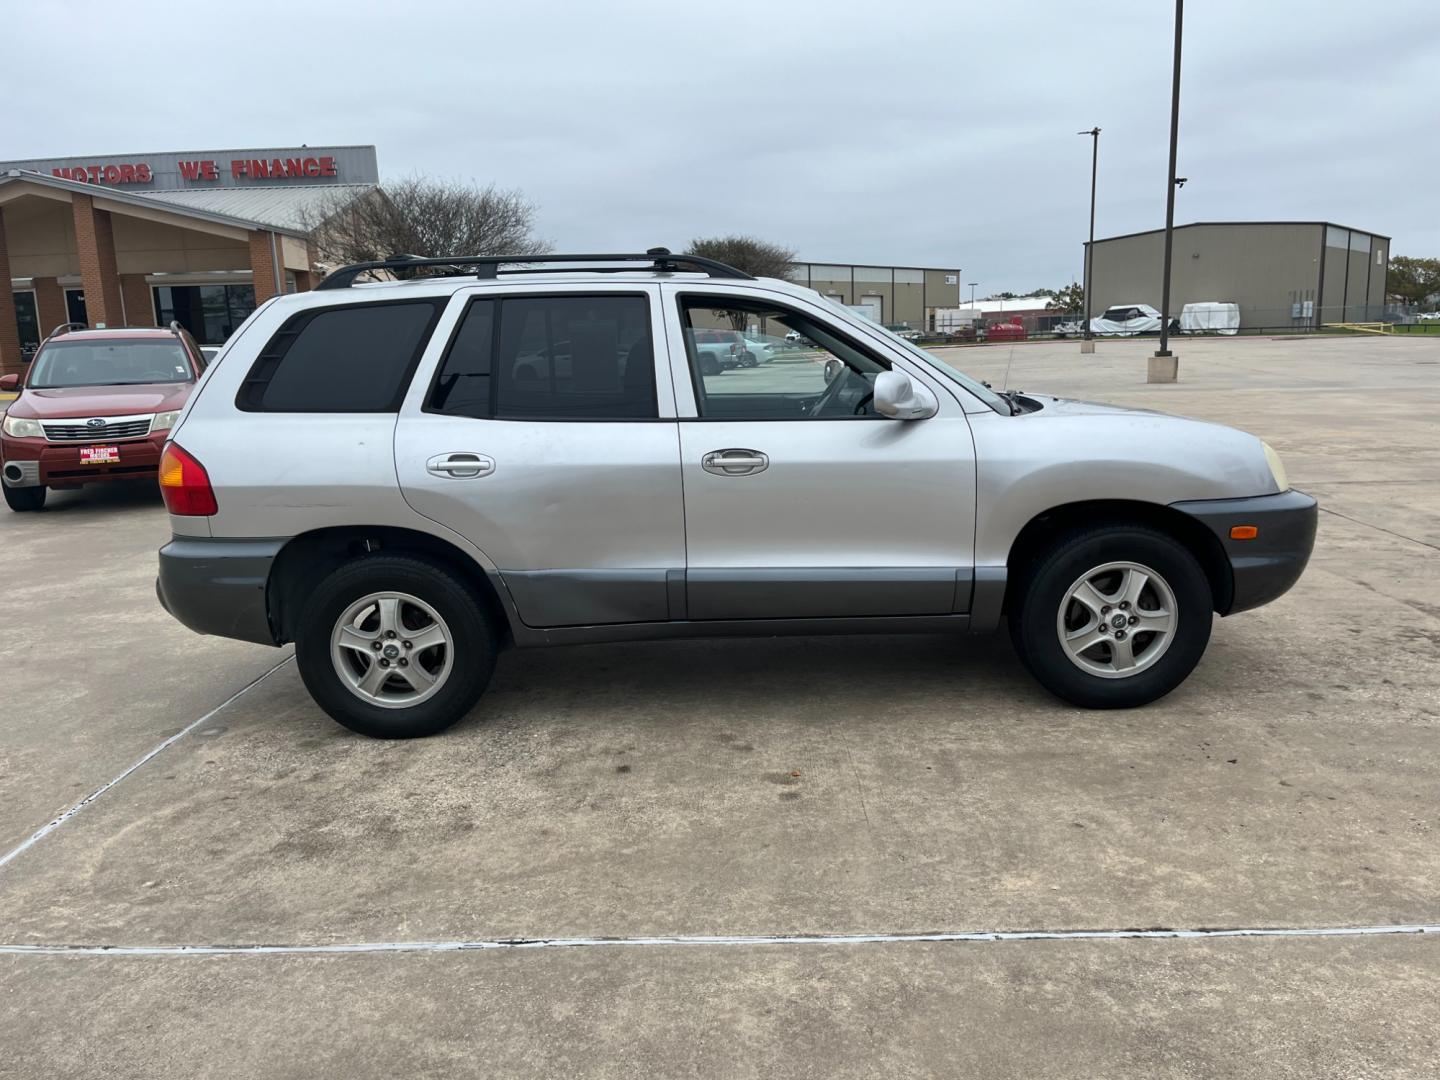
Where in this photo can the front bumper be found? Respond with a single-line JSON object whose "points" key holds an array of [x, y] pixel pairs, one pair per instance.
{"points": [[1267, 566], [58, 464], [218, 586]]}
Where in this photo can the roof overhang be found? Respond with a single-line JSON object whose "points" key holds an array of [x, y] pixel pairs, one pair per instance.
{"points": [[18, 184]]}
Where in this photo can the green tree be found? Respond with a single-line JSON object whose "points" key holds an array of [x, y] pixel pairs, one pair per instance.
{"points": [[756, 257], [1415, 280], [1068, 301]]}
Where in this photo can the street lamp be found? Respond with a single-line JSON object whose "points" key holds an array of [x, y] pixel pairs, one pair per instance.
{"points": [[1088, 344], [972, 292], [1164, 367]]}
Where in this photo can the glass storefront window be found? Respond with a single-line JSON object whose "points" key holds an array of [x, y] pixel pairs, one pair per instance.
{"points": [[210, 312], [27, 320]]}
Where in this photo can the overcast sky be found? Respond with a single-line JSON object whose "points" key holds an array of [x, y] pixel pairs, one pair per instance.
{"points": [[919, 132]]}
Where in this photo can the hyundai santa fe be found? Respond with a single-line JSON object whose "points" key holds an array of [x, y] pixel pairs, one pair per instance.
{"points": [[400, 476]]}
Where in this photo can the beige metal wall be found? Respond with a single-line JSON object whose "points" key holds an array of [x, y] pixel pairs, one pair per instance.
{"points": [[908, 294], [1265, 267]]}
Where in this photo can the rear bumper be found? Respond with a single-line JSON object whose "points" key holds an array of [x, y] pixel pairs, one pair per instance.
{"points": [[58, 464], [1267, 566], [218, 586]]}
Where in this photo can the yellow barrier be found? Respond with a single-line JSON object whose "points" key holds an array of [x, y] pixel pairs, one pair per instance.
{"points": [[1363, 327]]}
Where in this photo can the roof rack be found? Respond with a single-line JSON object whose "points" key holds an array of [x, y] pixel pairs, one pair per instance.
{"points": [[66, 327], [488, 266]]}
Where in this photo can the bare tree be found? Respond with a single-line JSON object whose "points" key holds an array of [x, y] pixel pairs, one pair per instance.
{"points": [[746, 253], [426, 217]]}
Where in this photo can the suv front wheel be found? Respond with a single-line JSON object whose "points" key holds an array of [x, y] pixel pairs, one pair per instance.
{"points": [[394, 647], [1112, 617], [25, 498]]}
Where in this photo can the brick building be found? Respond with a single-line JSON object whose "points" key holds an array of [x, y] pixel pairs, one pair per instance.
{"points": [[143, 239]]}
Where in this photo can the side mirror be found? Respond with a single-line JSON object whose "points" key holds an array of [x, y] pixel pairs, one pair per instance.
{"points": [[900, 399], [9, 382]]}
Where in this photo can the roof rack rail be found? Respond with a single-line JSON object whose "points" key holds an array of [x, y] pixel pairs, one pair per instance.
{"points": [[66, 327], [488, 266]]}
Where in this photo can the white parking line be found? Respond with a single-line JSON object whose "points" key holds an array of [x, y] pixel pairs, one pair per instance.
{"points": [[47, 829], [721, 940]]}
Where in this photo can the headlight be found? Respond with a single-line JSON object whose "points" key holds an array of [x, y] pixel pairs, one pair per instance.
{"points": [[1277, 467], [164, 420], [22, 429]]}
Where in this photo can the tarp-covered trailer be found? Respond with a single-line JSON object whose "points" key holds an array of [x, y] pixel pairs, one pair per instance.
{"points": [[1210, 317]]}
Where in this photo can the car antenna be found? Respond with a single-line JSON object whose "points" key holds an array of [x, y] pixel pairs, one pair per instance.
{"points": [[1005, 382]]}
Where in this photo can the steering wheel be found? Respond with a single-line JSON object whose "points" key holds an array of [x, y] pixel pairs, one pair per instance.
{"points": [[831, 392], [860, 405]]}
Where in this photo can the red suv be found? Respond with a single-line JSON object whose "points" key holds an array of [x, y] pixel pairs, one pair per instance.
{"points": [[96, 405]]}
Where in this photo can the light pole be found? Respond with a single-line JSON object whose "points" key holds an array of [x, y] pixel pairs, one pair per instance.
{"points": [[1165, 367], [972, 292], [1087, 344]]}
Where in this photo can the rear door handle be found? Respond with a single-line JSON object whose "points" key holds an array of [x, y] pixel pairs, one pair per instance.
{"points": [[734, 462], [460, 466]]}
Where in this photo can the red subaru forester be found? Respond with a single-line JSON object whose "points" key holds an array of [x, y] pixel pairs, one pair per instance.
{"points": [[96, 405]]}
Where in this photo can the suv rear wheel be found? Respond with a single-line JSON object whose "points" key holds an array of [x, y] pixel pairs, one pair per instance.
{"points": [[25, 498], [394, 647], [1112, 617]]}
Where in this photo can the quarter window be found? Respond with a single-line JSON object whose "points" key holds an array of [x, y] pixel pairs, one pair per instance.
{"points": [[756, 361], [551, 358], [347, 359]]}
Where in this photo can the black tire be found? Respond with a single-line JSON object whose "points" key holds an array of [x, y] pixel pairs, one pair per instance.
{"points": [[1045, 584], [747, 360], [22, 499], [473, 641]]}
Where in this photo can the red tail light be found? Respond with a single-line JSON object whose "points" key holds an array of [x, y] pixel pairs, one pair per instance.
{"points": [[185, 484]]}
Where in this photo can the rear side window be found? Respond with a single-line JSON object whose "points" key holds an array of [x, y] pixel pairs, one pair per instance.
{"points": [[341, 359], [550, 358]]}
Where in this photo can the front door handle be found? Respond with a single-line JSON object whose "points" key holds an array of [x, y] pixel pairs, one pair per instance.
{"points": [[460, 466], [734, 462]]}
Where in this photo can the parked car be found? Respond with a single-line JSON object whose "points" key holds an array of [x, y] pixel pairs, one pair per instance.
{"points": [[1069, 328], [377, 475], [95, 406], [1127, 320], [756, 351], [1006, 331], [718, 350], [903, 330]]}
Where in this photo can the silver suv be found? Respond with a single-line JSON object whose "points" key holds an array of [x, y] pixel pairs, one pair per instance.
{"points": [[401, 476]]}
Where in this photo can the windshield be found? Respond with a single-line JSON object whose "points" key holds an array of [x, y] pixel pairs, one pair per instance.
{"points": [[975, 386], [108, 363]]}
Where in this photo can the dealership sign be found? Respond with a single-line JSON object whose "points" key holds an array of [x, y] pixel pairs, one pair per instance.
{"points": [[223, 168]]}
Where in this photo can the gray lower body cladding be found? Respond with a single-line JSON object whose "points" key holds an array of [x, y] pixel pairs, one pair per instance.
{"points": [[21, 473], [218, 586], [1268, 565]]}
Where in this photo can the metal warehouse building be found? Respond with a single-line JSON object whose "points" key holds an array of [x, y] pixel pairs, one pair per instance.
{"points": [[1283, 274], [890, 294]]}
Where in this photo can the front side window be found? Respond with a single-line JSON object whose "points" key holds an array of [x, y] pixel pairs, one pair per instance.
{"points": [[346, 359], [757, 361], [550, 358], [109, 363]]}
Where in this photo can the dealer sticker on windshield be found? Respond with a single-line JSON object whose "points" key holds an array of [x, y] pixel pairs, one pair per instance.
{"points": [[99, 455]]}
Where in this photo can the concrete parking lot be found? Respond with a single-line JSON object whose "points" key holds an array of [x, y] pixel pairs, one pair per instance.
{"points": [[831, 787]]}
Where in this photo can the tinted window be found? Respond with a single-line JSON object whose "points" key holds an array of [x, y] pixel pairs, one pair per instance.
{"points": [[757, 361], [350, 359], [554, 358], [463, 385]]}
